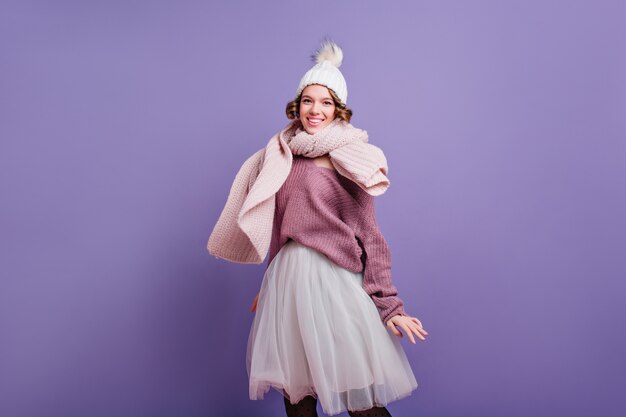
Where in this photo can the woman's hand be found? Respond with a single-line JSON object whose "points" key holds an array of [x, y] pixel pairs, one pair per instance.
{"points": [[409, 324], [253, 306]]}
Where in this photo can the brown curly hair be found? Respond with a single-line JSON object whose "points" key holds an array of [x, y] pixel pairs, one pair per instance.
{"points": [[341, 110]]}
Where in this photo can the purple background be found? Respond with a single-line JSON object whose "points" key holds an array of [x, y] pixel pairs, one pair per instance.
{"points": [[123, 123]]}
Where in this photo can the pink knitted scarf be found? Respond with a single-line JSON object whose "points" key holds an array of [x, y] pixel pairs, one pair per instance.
{"points": [[243, 231]]}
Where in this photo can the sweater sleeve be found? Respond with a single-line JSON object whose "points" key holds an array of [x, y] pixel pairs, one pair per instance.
{"points": [[377, 266]]}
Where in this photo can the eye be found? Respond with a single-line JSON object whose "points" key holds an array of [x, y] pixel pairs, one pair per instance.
{"points": [[328, 103], [306, 100]]}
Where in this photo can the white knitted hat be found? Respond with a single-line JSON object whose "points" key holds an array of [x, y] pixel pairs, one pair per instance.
{"points": [[326, 71]]}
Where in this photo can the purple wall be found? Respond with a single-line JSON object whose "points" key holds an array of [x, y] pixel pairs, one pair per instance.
{"points": [[122, 125]]}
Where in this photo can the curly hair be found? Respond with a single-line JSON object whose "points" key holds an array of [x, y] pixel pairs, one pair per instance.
{"points": [[341, 110]]}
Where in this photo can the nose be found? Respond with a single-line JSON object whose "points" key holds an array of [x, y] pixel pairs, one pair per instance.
{"points": [[314, 108]]}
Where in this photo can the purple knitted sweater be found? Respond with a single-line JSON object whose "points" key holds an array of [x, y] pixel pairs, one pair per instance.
{"points": [[319, 208]]}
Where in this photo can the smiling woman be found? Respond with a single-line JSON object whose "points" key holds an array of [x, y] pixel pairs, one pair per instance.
{"points": [[317, 108], [328, 316], [295, 107]]}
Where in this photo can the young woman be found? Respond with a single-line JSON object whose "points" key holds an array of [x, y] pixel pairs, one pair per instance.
{"points": [[327, 310]]}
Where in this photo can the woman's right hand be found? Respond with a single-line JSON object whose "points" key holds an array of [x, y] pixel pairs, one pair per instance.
{"points": [[253, 306]]}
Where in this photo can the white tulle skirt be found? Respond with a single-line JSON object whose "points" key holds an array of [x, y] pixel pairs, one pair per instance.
{"points": [[317, 332]]}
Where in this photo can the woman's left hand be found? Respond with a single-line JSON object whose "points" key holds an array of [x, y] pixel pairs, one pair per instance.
{"points": [[409, 324]]}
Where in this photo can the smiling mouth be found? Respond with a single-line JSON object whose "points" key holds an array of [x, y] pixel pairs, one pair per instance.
{"points": [[314, 121]]}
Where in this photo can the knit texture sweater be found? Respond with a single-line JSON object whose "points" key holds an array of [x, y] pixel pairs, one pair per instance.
{"points": [[321, 209]]}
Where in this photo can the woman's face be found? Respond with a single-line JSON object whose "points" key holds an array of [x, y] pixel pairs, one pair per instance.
{"points": [[317, 108]]}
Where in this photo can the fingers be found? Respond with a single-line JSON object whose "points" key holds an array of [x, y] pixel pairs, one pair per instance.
{"points": [[392, 327], [419, 324], [411, 327], [420, 329], [408, 332], [419, 332]]}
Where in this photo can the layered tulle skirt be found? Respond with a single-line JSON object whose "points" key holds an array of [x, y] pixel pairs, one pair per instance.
{"points": [[317, 332]]}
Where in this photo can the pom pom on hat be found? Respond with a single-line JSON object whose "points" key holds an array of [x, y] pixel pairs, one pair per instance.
{"points": [[326, 70], [329, 51]]}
